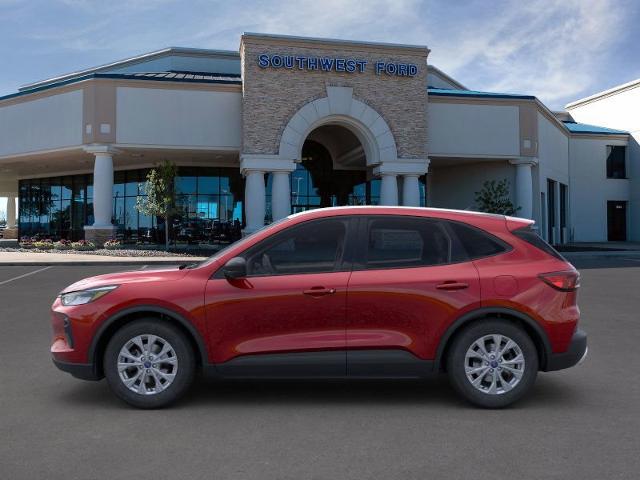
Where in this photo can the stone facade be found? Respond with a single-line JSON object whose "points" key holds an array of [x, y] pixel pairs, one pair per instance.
{"points": [[272, 96]]}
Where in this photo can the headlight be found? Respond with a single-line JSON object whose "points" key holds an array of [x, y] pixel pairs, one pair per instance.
{"points": [[85, 296]]}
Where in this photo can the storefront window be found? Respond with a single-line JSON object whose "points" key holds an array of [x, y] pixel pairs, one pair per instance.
{"points": [[208, 200]]}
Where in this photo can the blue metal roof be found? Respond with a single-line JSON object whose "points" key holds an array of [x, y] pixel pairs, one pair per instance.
{"points": [[575, 127], [445, 92], [188, 77]]}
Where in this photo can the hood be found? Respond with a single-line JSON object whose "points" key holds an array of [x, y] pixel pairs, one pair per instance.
{"points": [[136, 276]]}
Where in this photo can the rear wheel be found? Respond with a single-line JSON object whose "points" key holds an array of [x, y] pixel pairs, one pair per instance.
{"points": [[492, 363], [149, 363]]}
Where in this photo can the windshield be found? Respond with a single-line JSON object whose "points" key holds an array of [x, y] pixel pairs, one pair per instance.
{"points": [[239, 243]]}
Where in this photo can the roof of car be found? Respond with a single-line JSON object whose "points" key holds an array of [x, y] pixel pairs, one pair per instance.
{"points": [[390, 210]]}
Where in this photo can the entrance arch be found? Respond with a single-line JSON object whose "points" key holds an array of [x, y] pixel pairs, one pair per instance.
{"points": [[340, 108], [341, 112]]}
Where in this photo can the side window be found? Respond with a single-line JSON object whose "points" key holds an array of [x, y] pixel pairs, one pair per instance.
{"points": [[476, 243], [404, 242], [312, 247]]}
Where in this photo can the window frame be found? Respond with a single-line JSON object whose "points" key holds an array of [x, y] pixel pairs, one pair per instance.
{"points": [[609, 150], [363, 239], [360, 260], [344, 264]]}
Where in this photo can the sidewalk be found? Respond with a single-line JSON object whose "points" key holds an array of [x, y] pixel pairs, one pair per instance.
{"points": [[37, 259]]}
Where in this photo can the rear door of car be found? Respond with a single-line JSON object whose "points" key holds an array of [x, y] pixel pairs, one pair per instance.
{"points": [[409, 282]]}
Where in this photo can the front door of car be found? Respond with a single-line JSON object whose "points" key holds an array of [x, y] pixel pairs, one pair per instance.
{"points": [[287, 316], [409, 283]]}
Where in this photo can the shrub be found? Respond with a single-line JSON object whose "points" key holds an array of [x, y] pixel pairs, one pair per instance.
{"points": [[62, 245], [83, 245], [112, 244], [26, 242], [43, 244]]}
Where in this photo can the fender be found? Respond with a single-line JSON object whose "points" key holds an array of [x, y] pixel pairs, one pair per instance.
{"points": [[483, 312], [202, 349]]}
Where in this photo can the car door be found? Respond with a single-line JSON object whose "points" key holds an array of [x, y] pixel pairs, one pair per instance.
{"points": [[410, 281], [287, 317]]}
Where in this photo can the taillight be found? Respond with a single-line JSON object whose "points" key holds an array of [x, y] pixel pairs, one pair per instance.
{"points": [[563, 281]]}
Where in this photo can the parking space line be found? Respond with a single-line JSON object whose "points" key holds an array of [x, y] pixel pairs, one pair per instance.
{"points": [[25, 275], [143, 267]]}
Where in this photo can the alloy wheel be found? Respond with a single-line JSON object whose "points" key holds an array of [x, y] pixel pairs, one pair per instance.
{"points": [[494, 364], [147, 364]]}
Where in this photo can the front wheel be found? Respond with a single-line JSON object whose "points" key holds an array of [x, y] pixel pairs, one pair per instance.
{"points": [[492, 363], [149, 363]]}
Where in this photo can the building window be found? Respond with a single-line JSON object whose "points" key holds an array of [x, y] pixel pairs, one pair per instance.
{"points": [[208, 200], [616, 161]]}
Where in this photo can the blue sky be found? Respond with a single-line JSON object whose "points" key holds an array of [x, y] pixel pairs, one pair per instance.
{"points": [[558, 50]]}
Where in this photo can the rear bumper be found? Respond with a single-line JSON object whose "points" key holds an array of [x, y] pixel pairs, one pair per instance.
{"points": [[83, 371], [576, 352]]}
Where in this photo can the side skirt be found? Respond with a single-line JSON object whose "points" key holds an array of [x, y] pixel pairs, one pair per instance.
{"points": [[338, 364]]}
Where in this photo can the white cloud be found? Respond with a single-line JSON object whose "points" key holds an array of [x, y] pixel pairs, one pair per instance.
{"points": [[553, 49], [556, 49]]}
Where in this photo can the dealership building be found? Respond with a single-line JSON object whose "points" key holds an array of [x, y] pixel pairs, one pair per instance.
{"points": [[290, 123]]}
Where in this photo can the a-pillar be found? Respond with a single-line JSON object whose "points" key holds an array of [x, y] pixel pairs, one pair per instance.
{"points": [[524, 185], [102, 229]]}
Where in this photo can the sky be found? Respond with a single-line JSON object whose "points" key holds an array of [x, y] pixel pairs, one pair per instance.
{"points": [[558, 50]]}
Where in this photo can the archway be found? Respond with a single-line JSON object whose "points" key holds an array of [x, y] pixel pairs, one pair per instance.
{"points": [[332, 171]]}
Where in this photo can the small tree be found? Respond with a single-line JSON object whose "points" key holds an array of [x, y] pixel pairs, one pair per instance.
{"points": [[494, 198], [160, 193]]}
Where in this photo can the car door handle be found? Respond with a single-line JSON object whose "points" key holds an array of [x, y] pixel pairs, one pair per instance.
{"points": [[452, 285], [319, 291]]}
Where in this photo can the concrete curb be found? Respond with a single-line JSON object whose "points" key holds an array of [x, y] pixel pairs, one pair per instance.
{"points": [[614, 254]]}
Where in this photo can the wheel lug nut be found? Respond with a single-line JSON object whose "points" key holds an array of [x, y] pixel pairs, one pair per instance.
{"points": [[486, 363], [155, 365], [491, 370]]}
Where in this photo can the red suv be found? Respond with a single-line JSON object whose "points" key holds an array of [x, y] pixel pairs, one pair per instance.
{"points": [[357, 292]]}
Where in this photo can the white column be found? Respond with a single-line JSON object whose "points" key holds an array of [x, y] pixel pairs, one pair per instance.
{"points": [[254, 200], [280, 195], [524, 186], [410, 191], [11, 212], [103, 189], [389, 189]]}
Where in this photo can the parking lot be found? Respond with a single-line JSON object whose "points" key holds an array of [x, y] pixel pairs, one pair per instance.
{"points": [[582, 423]]}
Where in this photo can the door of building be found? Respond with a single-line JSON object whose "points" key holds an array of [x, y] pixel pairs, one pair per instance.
{"points": [[617, 221]]}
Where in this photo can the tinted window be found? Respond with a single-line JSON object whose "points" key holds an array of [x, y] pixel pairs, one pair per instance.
{"points": [[616, 162], [312, 247], [402, 242], [475, 243], [530, 236]]}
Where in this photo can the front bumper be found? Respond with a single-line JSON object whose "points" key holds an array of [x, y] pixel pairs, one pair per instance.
{"points": [[576, 352], [83, 371]]}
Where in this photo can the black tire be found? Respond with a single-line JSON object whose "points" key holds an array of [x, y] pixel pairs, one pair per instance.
{"points": [[186, 365], [456, 363]]}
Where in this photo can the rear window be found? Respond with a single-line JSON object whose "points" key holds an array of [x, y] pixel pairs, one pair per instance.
{"points": [[477, 243], [530, 236]]}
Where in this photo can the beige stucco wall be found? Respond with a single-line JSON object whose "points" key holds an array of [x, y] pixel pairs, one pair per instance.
{"points": [[272, 96]]}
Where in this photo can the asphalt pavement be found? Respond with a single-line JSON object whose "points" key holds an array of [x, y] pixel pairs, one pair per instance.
{"points": [[582, 423]]}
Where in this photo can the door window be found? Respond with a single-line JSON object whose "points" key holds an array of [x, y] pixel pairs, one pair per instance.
{"points": [[313, 247], [404, 242]]}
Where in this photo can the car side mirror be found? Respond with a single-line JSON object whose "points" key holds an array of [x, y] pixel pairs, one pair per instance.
{"points": [[235, 268]]}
